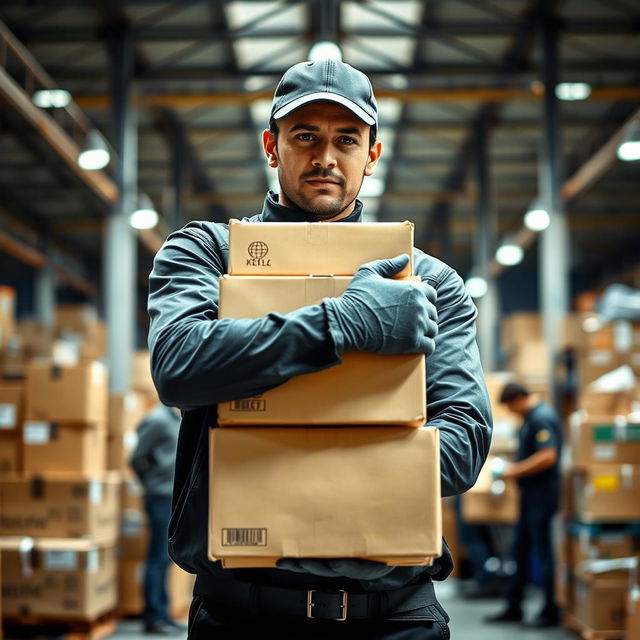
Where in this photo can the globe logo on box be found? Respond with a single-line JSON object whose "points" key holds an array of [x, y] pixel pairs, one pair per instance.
{"points": [[258, 251]]}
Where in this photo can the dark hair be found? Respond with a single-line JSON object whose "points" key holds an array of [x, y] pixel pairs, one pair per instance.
{"points": [[273, 129], [512, 391]]}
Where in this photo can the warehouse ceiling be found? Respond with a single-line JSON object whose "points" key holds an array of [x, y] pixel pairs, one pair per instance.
{"points": [[204, 72]]}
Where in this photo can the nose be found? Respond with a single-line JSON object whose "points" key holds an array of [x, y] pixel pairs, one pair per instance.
{"points": [[324, 157]]}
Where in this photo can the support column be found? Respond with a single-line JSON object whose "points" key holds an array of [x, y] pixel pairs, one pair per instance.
{"points": [[45, 295], [484, 247], [120, 251], [553, 251]]}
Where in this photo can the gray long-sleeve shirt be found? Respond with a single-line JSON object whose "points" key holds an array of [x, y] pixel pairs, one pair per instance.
{"points": [[198, 360], [154, 456]]}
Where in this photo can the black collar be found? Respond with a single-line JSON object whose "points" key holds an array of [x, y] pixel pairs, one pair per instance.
{"points": [[273, 211]]}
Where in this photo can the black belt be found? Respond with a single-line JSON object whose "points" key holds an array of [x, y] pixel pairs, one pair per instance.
{"points": [[317, 603]]}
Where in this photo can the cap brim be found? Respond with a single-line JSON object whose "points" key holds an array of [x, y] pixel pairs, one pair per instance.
{"points": [[329, 97]]}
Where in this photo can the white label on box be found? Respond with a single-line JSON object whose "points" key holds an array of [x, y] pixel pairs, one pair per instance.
{"points": [[66, 352], [622, 336], [97, 373], [130, 440], [604, 452], [7, 415], [36, 432], [61, 560], [600, 356], [93, 560], [95, 491], [130, 402]]}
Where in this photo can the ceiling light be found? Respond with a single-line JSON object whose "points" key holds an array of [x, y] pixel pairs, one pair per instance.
{"points": [[476, 286], [537, 219], [573, 91], [145, 216], [323, 50], [51, 98], [629, 149], [509, 253], [94, 154]]}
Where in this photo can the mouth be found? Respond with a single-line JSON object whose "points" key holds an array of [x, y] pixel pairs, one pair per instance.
{"points": [[321, 182]]}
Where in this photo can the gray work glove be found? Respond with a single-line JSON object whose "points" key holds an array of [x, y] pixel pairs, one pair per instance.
{"points": [[381, 315], [355, 568]]}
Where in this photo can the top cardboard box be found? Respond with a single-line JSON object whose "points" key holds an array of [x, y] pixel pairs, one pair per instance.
{"points": [[314, 248]]}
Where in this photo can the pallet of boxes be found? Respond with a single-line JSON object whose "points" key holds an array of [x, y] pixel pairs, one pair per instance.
{"points": [[126, 411], [58, 504], [597, 570], [333, 464]]}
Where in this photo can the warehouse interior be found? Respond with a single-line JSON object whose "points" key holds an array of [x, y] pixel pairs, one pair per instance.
{"points": [[511, 135]]}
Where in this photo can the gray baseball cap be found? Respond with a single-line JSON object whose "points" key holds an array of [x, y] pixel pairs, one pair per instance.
{"points": [[325, 80]]}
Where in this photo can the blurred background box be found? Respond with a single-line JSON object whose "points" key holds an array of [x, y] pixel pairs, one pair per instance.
{"points": [[58, 578], [55, 508], [67, 393]]}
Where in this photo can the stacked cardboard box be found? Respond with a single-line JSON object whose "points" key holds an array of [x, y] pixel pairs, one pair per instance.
{"points": [[58, 506], [360, 462], [600, 348], [7, 314], [602, 464], [526, 350]]}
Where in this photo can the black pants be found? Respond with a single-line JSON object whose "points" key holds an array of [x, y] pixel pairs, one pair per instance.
{"points": [[533, 535], [208, 621]]}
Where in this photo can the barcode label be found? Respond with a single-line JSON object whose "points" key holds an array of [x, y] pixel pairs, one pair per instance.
{"points": [[244, 537]]}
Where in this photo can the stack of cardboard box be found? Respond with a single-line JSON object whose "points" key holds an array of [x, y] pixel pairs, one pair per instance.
{"points": [[58, 505], [526, 349], [363, 481], [602, 520]]}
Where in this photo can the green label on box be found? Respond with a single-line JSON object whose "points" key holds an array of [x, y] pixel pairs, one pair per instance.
{"points": [[613, 433]]}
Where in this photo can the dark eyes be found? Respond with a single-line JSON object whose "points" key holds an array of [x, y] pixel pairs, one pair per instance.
{"points": [[309, 137]]}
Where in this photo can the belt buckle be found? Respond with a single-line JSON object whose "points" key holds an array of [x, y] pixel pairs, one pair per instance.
{"points": [[344, 605]]}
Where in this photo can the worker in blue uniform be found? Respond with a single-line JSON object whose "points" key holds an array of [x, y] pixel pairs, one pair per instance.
{"points": [[322, 139], [536, 470]]}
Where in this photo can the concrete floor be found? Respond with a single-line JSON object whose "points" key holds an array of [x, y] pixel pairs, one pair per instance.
{"points": [[466, 621]]}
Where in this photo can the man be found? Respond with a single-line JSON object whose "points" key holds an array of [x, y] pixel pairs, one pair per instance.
{"points": [[536, 471], [322, 140], [153, 461]]}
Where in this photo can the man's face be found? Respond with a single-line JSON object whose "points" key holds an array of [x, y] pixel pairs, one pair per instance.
{"points": [[322, 154]]}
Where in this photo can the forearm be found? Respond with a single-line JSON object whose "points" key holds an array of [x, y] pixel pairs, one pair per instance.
{"points": [[535, 463], [198, 363]]}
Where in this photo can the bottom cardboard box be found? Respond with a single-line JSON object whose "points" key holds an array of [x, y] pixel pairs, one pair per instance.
{"points": [[343, 492], [248, 562], [600, 601], [59, 578]]}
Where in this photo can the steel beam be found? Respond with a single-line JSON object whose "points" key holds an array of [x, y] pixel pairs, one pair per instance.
{"points": [[119, 254], [554, 252], [484, 246]]}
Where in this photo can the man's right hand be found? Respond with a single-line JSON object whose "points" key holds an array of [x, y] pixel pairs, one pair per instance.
{"points": [[381, 315]]}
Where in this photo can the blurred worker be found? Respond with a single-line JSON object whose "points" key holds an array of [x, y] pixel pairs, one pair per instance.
{"points": [[322, 140], [153, 461], [536, 470]]}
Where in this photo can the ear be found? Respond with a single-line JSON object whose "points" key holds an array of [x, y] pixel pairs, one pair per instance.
{"points": [[269, 144], [374, 154]]}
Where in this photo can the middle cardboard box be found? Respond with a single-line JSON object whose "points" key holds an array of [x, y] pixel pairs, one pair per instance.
{"points": [[366, 388], [324, 492]]}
